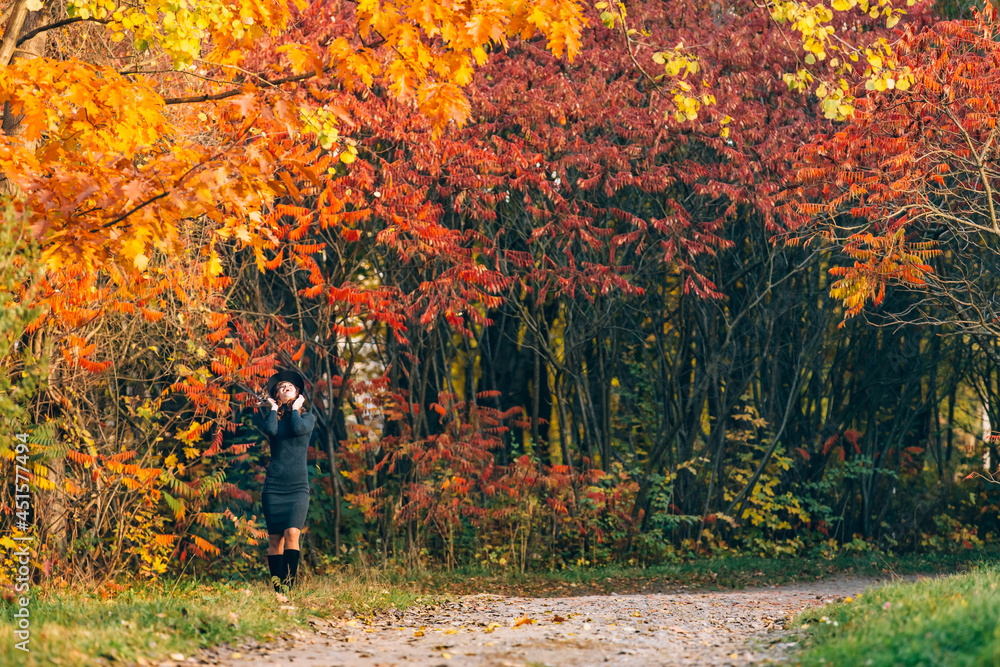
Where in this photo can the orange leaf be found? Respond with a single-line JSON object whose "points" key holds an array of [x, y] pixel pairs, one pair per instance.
{"points": [[290, 186]]}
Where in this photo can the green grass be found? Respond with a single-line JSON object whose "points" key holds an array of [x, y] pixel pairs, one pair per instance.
{"points": [[76, 627], [709, 574], [949, 621]]}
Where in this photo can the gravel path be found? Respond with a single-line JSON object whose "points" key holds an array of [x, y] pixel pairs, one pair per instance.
{"points": [[680, 628]]}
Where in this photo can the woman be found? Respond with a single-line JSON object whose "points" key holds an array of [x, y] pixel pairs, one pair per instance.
{"points": [[286, 484]]}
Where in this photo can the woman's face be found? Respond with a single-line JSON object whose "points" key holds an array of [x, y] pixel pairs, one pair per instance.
{"points": [[285, 392]]}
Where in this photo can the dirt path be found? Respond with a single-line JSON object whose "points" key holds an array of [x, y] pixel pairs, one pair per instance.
{"points": [[681, 628]]}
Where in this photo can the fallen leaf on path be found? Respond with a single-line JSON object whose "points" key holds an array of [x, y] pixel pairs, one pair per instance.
{"points": [[558, 619], [524, 620]]}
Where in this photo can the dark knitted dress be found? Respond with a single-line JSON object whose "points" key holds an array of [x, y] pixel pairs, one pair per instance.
{"points": [[286, 483]]}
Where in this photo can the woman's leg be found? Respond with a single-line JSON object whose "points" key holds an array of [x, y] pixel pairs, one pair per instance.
{"points": [[291, 554], [291, 538], [276, 560]]}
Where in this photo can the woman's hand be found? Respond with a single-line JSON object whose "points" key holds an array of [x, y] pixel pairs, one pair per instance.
{"points": [[298, 402], [274, 403]]}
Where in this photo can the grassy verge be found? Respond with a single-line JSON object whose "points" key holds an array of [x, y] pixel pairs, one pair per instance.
{"points": [[73, 626], [946, 622], [709, 574]]}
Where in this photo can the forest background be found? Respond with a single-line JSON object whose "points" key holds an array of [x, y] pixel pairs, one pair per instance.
{"points": [[562, 279]]}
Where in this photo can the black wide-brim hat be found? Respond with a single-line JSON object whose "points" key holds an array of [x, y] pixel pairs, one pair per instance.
{"points": [[286, 376]]}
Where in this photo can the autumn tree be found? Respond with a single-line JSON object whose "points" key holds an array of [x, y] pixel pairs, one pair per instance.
{"points": [[907, 188], [137, 138]]}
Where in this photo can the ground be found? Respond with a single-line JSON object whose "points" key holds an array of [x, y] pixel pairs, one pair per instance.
{"points": [[678, 627]]}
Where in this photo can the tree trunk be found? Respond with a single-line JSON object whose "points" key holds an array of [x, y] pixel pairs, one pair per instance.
{"points": [[20, 23]]}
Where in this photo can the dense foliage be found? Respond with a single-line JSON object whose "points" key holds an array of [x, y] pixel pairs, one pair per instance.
{"points": [[538, 303]]}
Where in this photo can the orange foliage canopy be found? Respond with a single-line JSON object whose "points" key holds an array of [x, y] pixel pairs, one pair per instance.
{"points": [[199, 114]]}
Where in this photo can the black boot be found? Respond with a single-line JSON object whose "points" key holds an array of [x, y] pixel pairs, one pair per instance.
{"points": [[276, 564], [291, 565]]}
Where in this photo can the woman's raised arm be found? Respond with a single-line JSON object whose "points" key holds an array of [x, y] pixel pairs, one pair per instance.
{"points": [[270, 423]]}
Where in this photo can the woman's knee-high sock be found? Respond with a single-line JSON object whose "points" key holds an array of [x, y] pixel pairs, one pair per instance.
{"points": [[277, 567], [292, 565]]}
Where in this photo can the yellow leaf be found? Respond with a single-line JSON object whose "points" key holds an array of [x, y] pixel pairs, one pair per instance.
{"points": [[214, 265], [302, 58], [442, 103]]}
